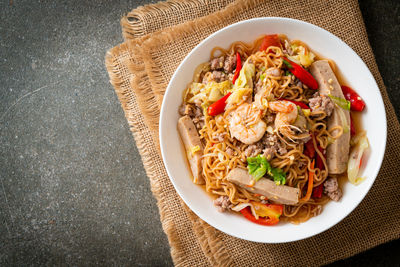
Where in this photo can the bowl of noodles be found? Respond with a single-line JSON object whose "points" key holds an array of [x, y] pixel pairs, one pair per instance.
{"points": [[265, 130]]}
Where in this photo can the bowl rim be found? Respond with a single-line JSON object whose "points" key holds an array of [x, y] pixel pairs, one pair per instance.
{"points": [[326, 227]]}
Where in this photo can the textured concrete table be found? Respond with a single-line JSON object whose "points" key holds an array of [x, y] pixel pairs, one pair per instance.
{"points": [[73, 189]]}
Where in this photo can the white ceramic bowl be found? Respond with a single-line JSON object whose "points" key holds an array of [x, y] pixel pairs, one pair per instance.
{"points": [[355, 73]]}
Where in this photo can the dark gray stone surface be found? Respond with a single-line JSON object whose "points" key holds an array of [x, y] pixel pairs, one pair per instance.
{"points": [[73, 189]]}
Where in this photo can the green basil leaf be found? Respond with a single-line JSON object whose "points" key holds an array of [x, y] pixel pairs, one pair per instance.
{"points": [[259, 166]]}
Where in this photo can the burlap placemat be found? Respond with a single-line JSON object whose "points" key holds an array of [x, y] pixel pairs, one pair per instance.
{"points": [[151, 18], [192, 241]]}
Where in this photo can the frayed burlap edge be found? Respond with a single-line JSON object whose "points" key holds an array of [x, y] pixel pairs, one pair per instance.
{"points": [[134, 24], [145, 96]]}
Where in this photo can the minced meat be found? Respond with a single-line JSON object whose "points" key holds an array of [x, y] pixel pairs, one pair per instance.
{"points": [[217, 63], [332, 190], [253, 150], [321, 103], [230, 64], [223, 203], [272, 145], [219, 76], [267, 146]]}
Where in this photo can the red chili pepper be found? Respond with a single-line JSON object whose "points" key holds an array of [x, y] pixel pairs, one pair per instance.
{"points": [[303, 75], [317, 191], [357, 104], [309, 150], [298, 103], [238, 67], [277, 209], [270, 40], [352, 128], [319, 162], [219, 106]]}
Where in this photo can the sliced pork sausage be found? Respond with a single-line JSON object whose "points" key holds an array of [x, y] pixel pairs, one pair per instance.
{"points": [[338, 152], [277, 193], [193, 147]]}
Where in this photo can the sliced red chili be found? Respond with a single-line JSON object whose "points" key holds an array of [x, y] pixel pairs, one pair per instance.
{"points": [[317, 191], [238, 67], [263, 221], [309, 150], [356, 102], [270, 40], [219, 106], [319, 162], [303, 75]]}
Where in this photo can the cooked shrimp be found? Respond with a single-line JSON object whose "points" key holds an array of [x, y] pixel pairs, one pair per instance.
{"points": [[286, 115], [245, 124]]}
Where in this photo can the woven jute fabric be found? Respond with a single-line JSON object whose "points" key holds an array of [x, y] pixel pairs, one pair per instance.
{"points": [[151, 18], [140, 70]]}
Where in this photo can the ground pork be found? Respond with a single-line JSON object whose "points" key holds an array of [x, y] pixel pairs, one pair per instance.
{"points": [[253, 150], [217, 63], [332, 190], [267, 146], [223, 203], [197, 117], [269, 152], [230, 64], [272, 145], [321, 103], [219, 76], [215, 76]]}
